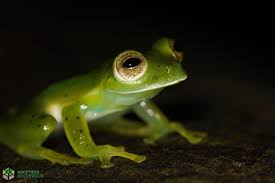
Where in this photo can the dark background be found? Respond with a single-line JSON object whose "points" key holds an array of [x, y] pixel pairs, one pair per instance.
{"points": [[229, 56], [228, 48]]}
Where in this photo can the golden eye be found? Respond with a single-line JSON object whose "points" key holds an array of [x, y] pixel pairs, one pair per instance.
{"points": [[178, 55], [129, 66]]}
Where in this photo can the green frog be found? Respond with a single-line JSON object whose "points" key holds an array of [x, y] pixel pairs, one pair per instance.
{"points": [[124, 83]]}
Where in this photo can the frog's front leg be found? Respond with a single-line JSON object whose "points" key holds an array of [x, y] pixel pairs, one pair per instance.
{"points": [[78, 134], [160, 126]]}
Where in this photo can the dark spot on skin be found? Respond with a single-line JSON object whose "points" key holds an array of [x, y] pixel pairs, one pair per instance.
{"points": [[39, 126], [66, 118], [80, 131], [33, 115], [77, 117]]}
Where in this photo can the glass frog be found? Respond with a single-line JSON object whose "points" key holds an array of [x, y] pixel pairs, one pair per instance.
{"points": [[125, 83]]}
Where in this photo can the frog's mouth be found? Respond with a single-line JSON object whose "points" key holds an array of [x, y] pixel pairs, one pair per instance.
{"points": [[156, 86]]}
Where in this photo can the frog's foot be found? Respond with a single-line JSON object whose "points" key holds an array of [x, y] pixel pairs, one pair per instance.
{"points": [[160, 131], [105, 152], [51, 155], [193, 137], [152, 133], [63, 159]]}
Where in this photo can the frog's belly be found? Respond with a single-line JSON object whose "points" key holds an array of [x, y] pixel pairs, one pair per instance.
{"points": [[56, 112], [92, 115]]}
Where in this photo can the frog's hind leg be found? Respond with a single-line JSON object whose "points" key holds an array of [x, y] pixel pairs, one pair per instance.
{"points": [[39, 152], [161, 126], [29, 140]]}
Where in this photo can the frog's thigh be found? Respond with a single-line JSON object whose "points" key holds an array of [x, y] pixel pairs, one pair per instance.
{"points": [[123, 126], [38, 128], [32, 129]]}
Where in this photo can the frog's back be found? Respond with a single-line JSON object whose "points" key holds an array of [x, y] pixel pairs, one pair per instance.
{"points": [[69, 90]]}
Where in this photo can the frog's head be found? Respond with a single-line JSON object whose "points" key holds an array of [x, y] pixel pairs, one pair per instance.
{"points": [[134, 72]]}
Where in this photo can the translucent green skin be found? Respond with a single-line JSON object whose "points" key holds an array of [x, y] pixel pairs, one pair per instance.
{"points": [[91, 97]]}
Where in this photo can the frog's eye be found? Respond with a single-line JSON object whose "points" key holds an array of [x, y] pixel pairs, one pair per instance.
{"points": [[129, 66], [176, 52]]}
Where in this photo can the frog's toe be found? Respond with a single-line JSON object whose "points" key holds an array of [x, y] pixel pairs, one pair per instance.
{"points": [[84, 161], [134, 157], [139, 158], [105, 162], [106, 152], [195, 137], [191, 136]]}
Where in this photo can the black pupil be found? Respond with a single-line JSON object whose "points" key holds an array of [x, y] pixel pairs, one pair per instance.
{"points": [[131, 62]]}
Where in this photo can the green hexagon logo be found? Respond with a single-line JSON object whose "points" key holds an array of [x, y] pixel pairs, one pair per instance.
{"points": [[8, 173]]}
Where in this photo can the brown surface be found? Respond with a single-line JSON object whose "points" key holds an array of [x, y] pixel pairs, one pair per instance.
{"points": [[232, 153]]}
